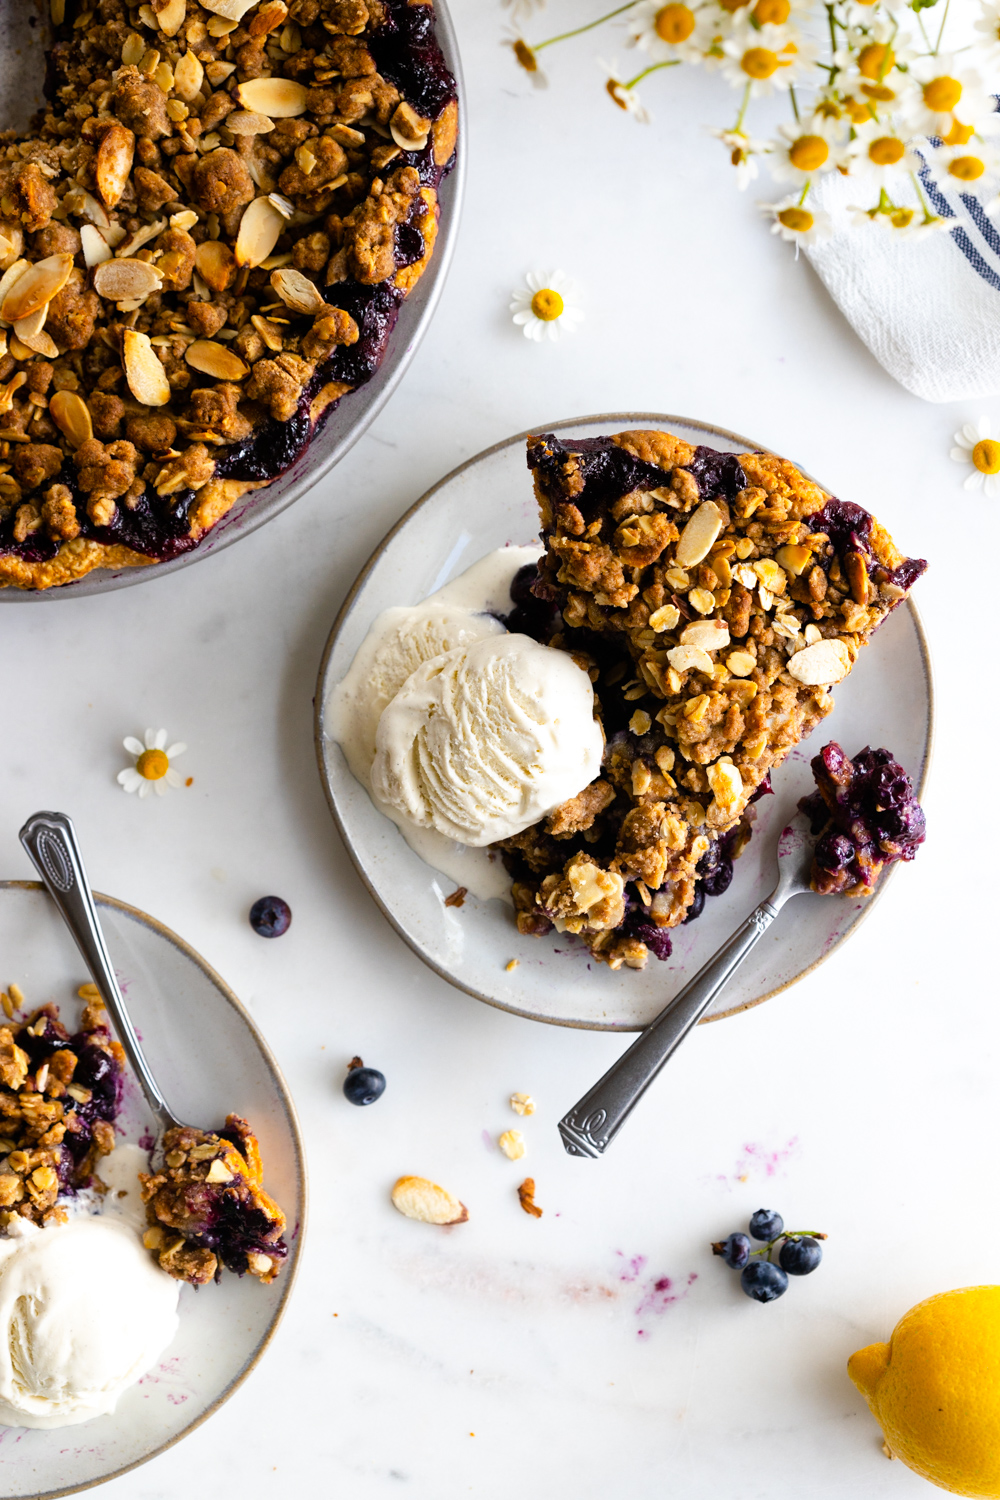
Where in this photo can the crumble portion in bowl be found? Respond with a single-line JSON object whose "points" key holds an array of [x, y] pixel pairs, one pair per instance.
{"points": [[716, 599], [865, 816], [204, 245]]}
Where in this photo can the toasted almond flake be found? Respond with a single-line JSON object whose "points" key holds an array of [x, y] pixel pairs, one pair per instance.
{"points": [[218, 72], [18, 349], [403, 143], [215, 264], [6, 403], [794, 559], [419, 1198], [703, 600], [766, 598], [512, 1145], [114, 163], [269, 332], [26, 328], [146, 377], [219, 1172], [260, 228], [690, 659], [119, 280], [150, 61], [522, 1104], [822, 664], [114, 234], [215, 360], [188, 77], [231, 10], [304, 159], [42, 343], [142, 236], [171, 18], [278, 98], [286, 208], [297, 291], [812, 634], [36, 287], [70, 414], [246, 122], [220, 26], [665, 618], [740, 663], [12, 274], [726, 783], [95, 247], [186, 219], [710, 635], [698, 535], [771, 575]]}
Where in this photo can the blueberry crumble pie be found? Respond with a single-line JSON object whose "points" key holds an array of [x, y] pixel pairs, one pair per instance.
{"points": [[865, 816], [715, 599], [205, 240]]}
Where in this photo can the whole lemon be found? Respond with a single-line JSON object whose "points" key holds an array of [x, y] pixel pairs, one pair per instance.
{"points": [[935, 1389]]}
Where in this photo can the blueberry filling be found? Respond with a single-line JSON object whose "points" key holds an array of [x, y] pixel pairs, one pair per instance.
{"points": [[865, 816]]}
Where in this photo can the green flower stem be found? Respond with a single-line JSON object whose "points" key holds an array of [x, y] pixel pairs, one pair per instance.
{"points": [[654, 68], [743, 109], [802, 199], [944, 22], [920, 194], [564, 35], [795, 105]]}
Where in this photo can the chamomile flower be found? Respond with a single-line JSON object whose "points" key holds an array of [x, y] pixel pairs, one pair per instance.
{"points": [[796, 223], [673, 31], [901, 220], [527, 57], [878, 153], [988, 27], [872, 64], [949, 93], [545, 308], [764, 61], [806, 149], [152, 770], [625, 96], [522, 10], [969, 168], [743, 153], [975, 448]]}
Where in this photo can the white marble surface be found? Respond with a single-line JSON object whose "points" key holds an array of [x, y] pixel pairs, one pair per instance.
{"points": [[861, 1102]]}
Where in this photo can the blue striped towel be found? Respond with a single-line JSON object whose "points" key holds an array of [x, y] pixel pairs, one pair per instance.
{"points": [[928, 309]]}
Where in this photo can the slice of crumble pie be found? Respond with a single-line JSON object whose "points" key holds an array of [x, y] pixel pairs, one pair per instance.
{"points": [[716, 599]]}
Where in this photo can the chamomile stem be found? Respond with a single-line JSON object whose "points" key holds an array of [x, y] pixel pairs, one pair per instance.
{"points": [[795, 104], [654, 68], [944, 22], [920, 194], [579, 30], [805, 191], [743, 109]]}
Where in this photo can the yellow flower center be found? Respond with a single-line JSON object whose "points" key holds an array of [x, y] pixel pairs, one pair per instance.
{"points": [[986, 456], [942, 94], [875, 60], [901, 218], [856, 111], [967, 168], [772, 12], [886, 151], [615, 91], [152, 764], [878, 92], [732, 6], [547, 305], [759, 62], [525, 56], [808, 153], [959, 134], [674, 23], [799, 220]]}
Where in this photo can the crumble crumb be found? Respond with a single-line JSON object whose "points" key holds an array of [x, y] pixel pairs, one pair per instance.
{"points": [[512, 1144], [526, 1194]]}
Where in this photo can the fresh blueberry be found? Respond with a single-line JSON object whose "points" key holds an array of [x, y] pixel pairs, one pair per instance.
{"points": [[799, 1257], [364, 1085], [270, 916], [763, 1282], [766, 1224], [735, 1251]]}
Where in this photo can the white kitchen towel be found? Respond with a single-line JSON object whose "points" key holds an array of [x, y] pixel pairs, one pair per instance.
{"points": [[928, 309]]}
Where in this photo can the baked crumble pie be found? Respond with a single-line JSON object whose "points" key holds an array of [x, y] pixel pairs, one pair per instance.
{"points": [[864, 814], [207, 1208], [715, 599], [205, 241]]}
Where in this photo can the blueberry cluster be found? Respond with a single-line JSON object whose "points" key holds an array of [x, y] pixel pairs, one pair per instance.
{"points": [[865, 815], [762, 1278]]}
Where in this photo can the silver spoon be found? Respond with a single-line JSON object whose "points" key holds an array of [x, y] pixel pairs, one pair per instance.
{"points": [[51, 842], [594, 1121]]}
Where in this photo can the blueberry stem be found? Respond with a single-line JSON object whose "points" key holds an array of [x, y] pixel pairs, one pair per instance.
{"points": [[786, 1234]]}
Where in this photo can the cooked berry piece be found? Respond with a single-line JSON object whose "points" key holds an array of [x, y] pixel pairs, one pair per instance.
{"points": [[866, 815], [765, 1224], [735, 1251], [763, 1282], [364, 1085], [799, 1257], [520, 587], [270, 916]]}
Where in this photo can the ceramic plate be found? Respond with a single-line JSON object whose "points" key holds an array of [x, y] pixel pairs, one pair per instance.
{"points": [[210, 1060], [488, 503], [21, 45]]}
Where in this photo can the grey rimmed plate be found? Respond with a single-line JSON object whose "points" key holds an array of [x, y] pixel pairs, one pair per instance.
{"points": [[488, 503], [211, 1060], [21, 45]]}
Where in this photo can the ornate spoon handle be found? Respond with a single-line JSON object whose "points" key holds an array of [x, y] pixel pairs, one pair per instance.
{"points": [[51, 842], [592, 1124]]}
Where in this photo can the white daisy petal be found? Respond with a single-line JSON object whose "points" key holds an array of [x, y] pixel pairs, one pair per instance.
{"points": [[974, 480], [970, 433], [145, 788], [961, 455], [150, 739], [161, 739], [160, 787], [130, 780], [132, 745], [173, 778], [520, 318], [991, 485], [175, 750]]}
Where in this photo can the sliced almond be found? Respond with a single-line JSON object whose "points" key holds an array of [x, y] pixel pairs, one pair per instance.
{"points": [[260, 228], [170, 18], [215, 264], [7, 391], [95, 247], [147, 379], [271, 333], [287, 209], [219, 1172], [820, 665], [18, 349], [710, 635], [665, 618], [232, 10], [85, 206], [296, 290], [404, 142], [36, 287], [133, 242], [726, 783], [794, 559], [13, 273], [247, 122], [70, 414], [741, 663], [215, 360], [690, 659], [278, 98], [773, 577], [121, 280], [698, 535], [114, 163], [186, 219], [188, 77], [418, 1198], [26, 328], [42, 343]]}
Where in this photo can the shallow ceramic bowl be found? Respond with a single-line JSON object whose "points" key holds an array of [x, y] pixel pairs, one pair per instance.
{"points": [[20, 55], [210, 1060], [488, 503]]}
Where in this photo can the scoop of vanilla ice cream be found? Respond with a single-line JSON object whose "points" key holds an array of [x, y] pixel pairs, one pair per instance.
{"points": [[84, 1313], [400, 641], [481, 742]]}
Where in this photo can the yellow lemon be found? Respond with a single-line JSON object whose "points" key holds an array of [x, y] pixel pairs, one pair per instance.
{"points": [[935, 1389]]}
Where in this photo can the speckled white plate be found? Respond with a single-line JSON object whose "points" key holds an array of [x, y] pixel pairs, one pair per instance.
{"points": [[488, 503], [211, 1060]]}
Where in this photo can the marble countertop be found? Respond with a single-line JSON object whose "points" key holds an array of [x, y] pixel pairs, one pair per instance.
{"points": [[599, 1351]]}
